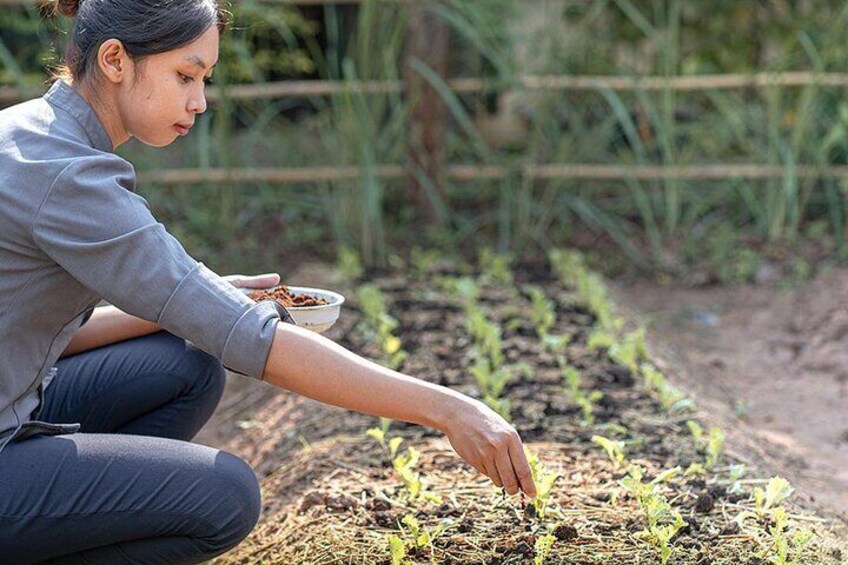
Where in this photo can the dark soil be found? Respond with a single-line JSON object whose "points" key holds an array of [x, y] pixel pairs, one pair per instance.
{"points": [[331, 495]]}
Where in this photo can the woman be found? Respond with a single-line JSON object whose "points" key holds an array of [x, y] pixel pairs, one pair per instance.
{"points": [[95, 419]]}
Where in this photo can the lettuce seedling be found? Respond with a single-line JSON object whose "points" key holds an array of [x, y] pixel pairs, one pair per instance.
{"points": [[715, 447], [736, 473], [542, 310], [543, 547], [495, 268], [766, 501], [397, 547], [422, 260], [420, 536], [405, 467], [614, 449], [544, 481], [585, 401], [658, 512]]}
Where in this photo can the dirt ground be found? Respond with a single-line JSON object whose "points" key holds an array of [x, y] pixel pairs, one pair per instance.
{"points": [[770, 363], [736, 350]]}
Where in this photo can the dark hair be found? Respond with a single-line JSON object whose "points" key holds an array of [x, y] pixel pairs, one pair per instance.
{"points": [[145, 27]]}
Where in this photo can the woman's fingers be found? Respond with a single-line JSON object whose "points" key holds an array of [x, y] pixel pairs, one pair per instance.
{"points": [[505, 470], [492, 473], [522, 468], [266, 280]]}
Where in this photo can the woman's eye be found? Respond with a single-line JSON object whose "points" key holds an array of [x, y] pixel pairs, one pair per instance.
{"points": [[185, 78], [207, 80]]}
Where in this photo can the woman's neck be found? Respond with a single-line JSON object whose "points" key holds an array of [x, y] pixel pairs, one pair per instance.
{"points": [[106, 111]]}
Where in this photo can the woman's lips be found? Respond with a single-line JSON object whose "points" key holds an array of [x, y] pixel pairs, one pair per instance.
{"points": [[182, 130]]}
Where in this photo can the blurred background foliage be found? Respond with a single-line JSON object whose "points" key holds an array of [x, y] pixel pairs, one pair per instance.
{"points": [[706, 230]]}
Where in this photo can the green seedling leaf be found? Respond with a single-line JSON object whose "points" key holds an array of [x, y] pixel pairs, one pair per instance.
{"points": [[715, 447], [614, 449], [377, 434], [398, 550], [543, 547]]}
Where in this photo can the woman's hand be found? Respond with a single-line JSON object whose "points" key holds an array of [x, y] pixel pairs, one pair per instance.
{"points": [[491, 445], [253, 281]]}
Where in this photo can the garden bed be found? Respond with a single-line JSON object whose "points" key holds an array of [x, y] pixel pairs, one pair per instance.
{"points": [[633, 478]]}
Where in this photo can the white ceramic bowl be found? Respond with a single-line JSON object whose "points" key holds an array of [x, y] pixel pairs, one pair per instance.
{"points": [[316, 318]]}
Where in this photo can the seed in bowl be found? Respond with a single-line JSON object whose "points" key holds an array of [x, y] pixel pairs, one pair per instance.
{"points": [[287, 298]]}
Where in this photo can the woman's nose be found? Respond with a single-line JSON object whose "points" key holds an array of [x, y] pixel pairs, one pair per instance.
{"points": [[197, 104]]}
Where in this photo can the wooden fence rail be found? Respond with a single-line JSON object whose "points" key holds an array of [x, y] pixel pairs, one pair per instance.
{"points": [[467, 173], [307, 88]]}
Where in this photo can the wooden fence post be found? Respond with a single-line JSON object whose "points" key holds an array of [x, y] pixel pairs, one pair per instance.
{"points": [[427, 41]]}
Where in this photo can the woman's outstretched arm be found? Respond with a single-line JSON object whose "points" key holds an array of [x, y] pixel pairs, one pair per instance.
{"points": [[108, 325], [307, 363]]}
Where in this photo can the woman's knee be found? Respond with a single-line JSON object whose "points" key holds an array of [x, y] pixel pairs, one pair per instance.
{"points": [[239, 505], [202, 373], [207, 372]]}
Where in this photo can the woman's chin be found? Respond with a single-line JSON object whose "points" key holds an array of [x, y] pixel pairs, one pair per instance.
{"points": [[160, 142]]}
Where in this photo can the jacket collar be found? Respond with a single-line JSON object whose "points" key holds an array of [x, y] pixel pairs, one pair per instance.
{"points": [[63, 96]]}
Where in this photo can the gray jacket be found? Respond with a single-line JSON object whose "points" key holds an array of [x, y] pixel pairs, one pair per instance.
{"points": [[73, 232]]}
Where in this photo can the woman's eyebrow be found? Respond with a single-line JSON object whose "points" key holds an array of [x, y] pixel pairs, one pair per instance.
{"points": [[197, 61]]}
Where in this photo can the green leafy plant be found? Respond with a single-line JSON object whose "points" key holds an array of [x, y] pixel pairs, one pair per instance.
{"points": [[380, 435], [378, 320], [663, 522], [671, 399], [349, 263], [586, 401], [397, 547], [779, 550], [737, 471], [495, 268], [419, 537], [543, 546], [630, 351], [405, 465], [542, 310], [422, 260], [544, 481], [715, 447], [712, 446], [614, 449]]}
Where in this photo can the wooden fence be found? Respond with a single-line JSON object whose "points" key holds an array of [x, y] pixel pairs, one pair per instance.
{"points": [[428, 117]]}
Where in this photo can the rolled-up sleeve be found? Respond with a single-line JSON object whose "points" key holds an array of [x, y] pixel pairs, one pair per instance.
{"points": [[94, 226]]}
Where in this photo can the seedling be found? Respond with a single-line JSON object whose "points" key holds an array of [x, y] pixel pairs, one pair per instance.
{"points": [[380, 435], [495, 268], [663, 522], [405, 466], [780, 542], [349, 263], [736, 473], [712, 446], [630, 351], [419, 537], [382, 324], [422, 261], [715, 447], [614, 449], [544, 481], [486, 335], [671, 399], [586, 401], [542, 310], [397, 547], [543, 547]]}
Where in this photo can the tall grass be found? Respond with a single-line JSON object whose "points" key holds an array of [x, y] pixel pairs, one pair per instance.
{"points": [[502, 40]]}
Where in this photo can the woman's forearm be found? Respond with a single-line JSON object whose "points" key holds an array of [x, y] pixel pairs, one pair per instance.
{"points": [[306, 363], [108, 325]]}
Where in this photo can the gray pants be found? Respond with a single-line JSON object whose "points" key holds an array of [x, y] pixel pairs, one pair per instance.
{"points": [[129, 488]]}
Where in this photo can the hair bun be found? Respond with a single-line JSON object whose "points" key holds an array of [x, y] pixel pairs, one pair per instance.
{"points": [[67, 8]]}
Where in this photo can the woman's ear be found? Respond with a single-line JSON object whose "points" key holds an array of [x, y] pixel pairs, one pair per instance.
{"points": [[113, 60]]}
